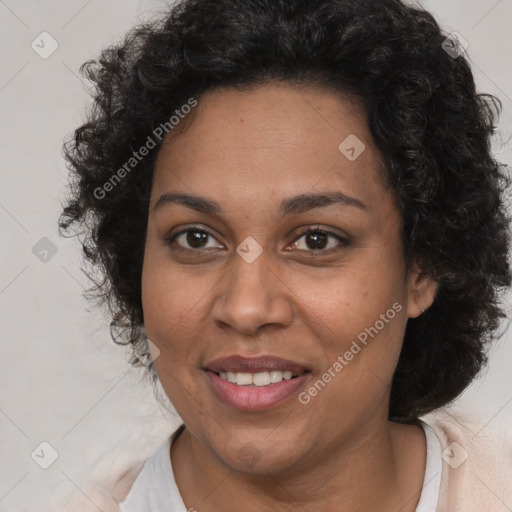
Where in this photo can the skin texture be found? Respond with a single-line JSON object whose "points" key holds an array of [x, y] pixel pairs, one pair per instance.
{"points": [[249, 150]]}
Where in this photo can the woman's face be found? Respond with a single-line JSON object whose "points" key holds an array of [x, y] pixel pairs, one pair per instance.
{"points": [[252, 164]]}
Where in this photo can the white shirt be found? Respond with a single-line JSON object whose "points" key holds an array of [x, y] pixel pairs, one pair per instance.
{"points": [[155, 488]]}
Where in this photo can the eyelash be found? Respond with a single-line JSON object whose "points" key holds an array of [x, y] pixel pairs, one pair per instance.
{"points": [[344, 242]]}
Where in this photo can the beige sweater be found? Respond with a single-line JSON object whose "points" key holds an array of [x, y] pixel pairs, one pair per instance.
{"points": [[477, 464], [476, 469]]}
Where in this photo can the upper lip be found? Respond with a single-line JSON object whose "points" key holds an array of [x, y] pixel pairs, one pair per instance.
{"points": [[263, 363]]}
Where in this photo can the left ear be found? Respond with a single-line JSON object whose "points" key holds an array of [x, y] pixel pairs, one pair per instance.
{"points": [[421, 291]]}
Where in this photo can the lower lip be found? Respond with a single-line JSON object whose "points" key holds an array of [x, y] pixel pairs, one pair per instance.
{"points": [[246, 398]]}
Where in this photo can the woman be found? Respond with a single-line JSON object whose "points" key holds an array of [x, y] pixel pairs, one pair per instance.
{"points": [[295, 210]]}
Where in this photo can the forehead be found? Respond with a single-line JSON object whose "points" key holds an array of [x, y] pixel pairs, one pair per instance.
{"points": [[271, 141]]}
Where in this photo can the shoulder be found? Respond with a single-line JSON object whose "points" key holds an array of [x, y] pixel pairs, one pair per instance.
{"points": [[156, 470], [108, 493], [477, 462], [94, 496], [126, 481]]}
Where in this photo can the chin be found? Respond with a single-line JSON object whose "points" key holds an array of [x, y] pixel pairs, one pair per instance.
{"points": [[258, 457]]}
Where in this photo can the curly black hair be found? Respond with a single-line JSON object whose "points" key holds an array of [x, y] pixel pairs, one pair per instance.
{"points": [[431, 126]]}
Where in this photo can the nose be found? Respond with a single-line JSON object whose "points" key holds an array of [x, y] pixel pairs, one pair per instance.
{"points": [[253, 297]]}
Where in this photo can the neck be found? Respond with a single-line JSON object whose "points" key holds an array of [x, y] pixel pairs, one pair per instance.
{"points": [[380, 467]]}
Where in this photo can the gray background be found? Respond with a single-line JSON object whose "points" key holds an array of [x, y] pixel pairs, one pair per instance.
{"points": [[61, 378]]}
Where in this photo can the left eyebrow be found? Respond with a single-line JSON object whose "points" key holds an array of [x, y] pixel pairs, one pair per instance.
{"points": [[304, 202], [292, 205]]}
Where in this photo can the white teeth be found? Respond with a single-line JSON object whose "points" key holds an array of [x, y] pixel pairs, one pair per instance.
{"points": [[256, 379], [261, 379], [243, 379], [276, 376]]}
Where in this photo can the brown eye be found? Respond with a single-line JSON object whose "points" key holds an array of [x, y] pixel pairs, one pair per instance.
{"points": [[318, 240], [192, 239], [196, 239]]}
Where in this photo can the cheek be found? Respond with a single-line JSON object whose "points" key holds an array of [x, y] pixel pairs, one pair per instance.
{"points": [[171, 303], [360, 315], [353, 298], [361, 333]]}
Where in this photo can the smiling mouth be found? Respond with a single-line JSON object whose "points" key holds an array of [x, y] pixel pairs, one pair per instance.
{"points": [[257, 379], [253, 397]]}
